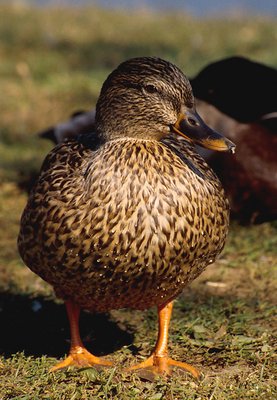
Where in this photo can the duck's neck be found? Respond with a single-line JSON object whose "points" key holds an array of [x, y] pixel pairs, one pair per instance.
{"points": [[128, 132]]}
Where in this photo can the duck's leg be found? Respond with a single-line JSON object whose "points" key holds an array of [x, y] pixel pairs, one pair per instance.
{"points": [[159, 362], [78, 355]]}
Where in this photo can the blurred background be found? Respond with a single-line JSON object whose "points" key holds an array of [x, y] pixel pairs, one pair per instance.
{"points": [[55, 56]]}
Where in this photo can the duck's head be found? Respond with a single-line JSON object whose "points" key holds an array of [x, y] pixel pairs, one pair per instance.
{"points": [[149, 98]]}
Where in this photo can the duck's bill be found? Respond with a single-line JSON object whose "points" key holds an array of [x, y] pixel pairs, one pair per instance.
{"points": [[191, 126]]}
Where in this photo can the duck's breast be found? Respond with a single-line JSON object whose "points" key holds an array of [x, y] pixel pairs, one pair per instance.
{"points": [[129, 226]]}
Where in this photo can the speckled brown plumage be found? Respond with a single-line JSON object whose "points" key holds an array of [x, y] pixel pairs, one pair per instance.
{"points": [[128, 216], [105, 230]]}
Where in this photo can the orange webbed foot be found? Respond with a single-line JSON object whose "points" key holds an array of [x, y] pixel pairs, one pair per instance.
{"points": [[78, 354], [80, 357], [159, 363], [162, 365]]}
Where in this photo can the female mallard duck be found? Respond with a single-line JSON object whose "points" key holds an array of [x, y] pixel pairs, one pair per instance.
{"points": [[128, 216], [246, 113]]}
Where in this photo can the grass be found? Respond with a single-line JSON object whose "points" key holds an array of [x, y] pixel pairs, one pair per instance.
{"points": [[53, 62]]}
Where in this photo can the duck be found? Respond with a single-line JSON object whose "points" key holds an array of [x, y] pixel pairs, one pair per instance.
{"points": [[239, 87], [235, 96], [247, 177], [127, 216], [80, 122]]}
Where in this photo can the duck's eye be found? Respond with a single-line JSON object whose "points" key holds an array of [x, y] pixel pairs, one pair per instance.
{"points": [[150, 89], [192, 122]]}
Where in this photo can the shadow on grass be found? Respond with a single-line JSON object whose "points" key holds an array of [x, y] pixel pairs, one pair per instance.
{"points": [[38, 326]]}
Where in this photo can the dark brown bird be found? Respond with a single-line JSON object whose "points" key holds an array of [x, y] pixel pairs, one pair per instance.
{"points": [[129, 215], [80, 122], [237, 96], [241, 88], [250, 176]]}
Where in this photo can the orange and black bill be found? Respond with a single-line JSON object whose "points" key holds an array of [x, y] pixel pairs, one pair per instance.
{"points": [[191, 126]]}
